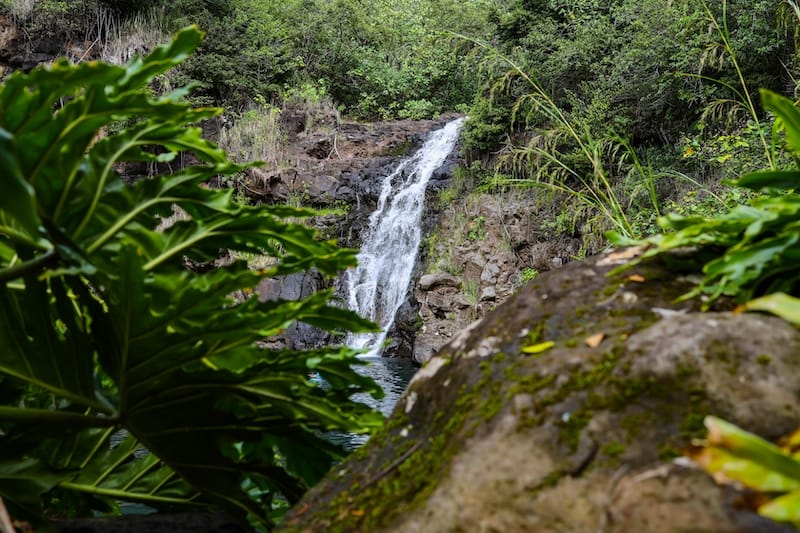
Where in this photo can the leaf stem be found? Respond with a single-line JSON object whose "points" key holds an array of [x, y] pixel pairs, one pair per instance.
{"points": [[28, 267], [130, 496], [15, 414]]}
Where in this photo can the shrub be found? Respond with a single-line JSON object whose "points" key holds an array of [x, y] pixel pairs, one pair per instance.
{"points": [[751, 250]]}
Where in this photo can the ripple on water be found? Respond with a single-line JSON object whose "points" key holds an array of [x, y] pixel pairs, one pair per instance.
{"points": [[393, 376]]}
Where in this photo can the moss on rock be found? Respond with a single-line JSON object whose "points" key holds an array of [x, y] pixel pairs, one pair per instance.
{"points": [[505, 431]]}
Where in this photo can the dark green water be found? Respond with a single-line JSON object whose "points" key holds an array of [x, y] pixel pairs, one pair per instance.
{"points": [[393, 376]]}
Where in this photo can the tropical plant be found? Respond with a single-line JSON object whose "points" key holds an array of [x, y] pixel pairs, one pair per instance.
{"points": [[733, 455], [741, 100], [562, 153], [127, 370], [752, 250]]}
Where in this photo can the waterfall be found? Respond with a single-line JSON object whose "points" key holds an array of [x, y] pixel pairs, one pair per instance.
{"points": [[377, 287]]}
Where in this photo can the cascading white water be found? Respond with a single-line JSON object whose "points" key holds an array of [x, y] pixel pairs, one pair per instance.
{"points": [[377, 287]]}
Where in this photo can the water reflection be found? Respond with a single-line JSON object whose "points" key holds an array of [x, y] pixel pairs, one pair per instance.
{"points": [[393, 376]]}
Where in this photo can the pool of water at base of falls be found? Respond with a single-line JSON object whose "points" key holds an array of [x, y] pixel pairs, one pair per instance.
{"points": [[393, 376]]}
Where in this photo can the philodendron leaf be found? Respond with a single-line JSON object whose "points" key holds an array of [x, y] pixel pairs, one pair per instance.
{"points": [[22, 483], [34, 351], [113, 319], [114, 465], [18, 198]]}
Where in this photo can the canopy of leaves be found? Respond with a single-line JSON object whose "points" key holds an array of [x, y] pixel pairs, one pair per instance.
{"points": [[645, 69], [103, 328], [376, 59]]}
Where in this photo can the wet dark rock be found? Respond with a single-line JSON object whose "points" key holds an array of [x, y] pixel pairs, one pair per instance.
{"points": [[403, 331], [294, 287], [356, 156]]}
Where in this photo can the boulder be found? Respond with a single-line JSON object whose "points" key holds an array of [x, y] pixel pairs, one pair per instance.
{"points": [[438, 279], [565, 409], [425, 346], [299, 285]]}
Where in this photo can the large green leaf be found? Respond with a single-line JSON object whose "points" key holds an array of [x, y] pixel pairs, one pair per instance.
{"points": [[102, 326], [22, 484], [785, 179], [787, 113], [33, 350]]}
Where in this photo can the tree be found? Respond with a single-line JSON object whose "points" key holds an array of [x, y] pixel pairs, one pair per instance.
{"points": [[103, 328]]}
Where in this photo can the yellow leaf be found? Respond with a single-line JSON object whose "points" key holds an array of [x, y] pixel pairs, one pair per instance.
{"points": [[623, 256], [595, 340], [538, 348], [780, 304], [636, 277], [357, 512]]}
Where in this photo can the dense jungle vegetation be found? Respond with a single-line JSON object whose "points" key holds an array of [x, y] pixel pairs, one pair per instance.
{"points": [[619, 110], [651, 100]]}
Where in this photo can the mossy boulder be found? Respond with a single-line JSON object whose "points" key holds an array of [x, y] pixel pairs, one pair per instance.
{"points": [[563, 410]]}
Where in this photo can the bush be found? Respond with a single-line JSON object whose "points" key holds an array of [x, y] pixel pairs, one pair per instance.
{"points": [[750, 250]]}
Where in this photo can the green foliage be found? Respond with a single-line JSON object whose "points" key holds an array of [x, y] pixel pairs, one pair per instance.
{"points": [[383, 59], [476, 229], [59, 20], [488, 125], [563, 154], [734, 455], [103, 327], [752, 249], [593, 99], [418, 109], [376, 59], [528, 274], [645, 68], [727, 155], [248, 52]]}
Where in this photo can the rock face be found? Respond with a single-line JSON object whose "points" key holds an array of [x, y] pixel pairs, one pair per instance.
{"points": [[333, 163], [490, 245], [562, 411]]}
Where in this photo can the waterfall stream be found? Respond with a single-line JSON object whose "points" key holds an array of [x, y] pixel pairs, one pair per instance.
{"points": [[378, 286]]}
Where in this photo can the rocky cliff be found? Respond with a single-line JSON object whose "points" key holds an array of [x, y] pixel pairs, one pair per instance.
{"points": [[334, 164], [484, 247]]}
